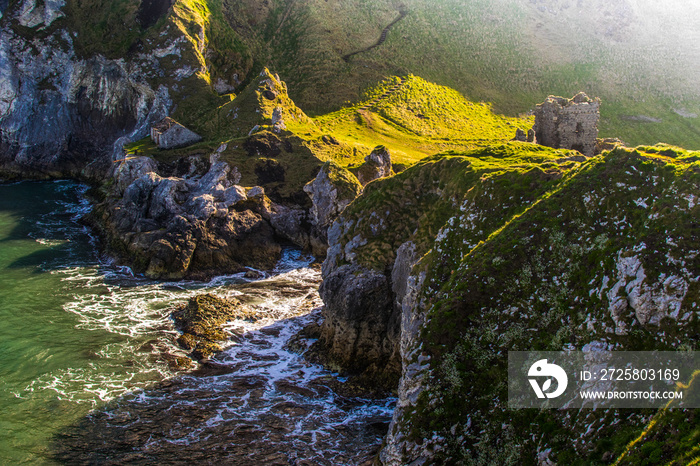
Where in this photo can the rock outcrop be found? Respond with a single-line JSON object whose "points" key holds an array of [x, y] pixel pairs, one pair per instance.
{"points": [[201, 321], [188, 227], [377, 165], [568, 123], [333, 189], [372, 247], [361, 329], [548, 258]]}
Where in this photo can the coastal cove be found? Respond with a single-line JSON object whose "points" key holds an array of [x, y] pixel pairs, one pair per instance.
{"points": [[88, 367]]}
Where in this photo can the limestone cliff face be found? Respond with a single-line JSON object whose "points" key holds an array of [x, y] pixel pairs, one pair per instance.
{"points": [[59, 112], [64, 105]]}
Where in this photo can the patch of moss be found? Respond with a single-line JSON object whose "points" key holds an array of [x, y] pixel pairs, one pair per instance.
{"points": [[416, 204], [344, 181]]}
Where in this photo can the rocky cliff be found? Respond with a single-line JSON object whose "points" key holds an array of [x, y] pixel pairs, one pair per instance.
{"points": [[514, 249], [80, 79], [376, 241]]}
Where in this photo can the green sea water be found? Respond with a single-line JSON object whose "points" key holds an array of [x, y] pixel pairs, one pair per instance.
{"points": [[69, 339]]}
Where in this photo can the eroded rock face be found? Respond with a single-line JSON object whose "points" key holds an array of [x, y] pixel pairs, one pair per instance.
{"points": [[60, 113], [361, 327], [361, 330], [634, 298], [415, 371], [175, 227], [333, 189]]}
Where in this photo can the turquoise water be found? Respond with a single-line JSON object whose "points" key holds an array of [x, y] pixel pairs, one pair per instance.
{"points": [[38, 339], [70, 340]]}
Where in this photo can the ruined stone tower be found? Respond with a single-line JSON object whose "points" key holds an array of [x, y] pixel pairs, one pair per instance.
{"points": [[568, 123]]}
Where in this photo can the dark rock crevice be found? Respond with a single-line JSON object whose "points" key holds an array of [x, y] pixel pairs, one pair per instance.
{"points": [[150, 11]]}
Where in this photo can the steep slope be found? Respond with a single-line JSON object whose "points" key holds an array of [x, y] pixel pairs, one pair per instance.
{"points": [[562, 254], [608, 258], [378, 237]]}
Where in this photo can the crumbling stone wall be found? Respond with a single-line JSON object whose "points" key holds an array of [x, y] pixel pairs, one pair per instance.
{"points": [[568, 123]]}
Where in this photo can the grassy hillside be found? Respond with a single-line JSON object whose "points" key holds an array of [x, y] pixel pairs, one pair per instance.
{"points": [[410, 116], [639, 56]]}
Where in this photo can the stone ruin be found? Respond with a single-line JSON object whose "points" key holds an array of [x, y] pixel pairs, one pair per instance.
{"points": [[169, 134], [568, 123]]}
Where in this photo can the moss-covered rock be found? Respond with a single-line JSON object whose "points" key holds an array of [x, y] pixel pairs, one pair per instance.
{"points": [[403, 215], [201, 321], [333, 189], [608, 255]]}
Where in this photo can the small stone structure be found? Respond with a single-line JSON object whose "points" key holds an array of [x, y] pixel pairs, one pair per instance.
{"points": [[568, 123], [169, 134], [522, 136]]}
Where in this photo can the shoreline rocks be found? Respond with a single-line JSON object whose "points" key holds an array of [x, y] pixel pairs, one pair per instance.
{"points": [[201, 321], [174, 228]]}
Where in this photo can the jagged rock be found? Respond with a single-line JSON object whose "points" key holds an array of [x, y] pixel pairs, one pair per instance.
{"points": [[333, 189], [650, 303], [377, 165], [568, 123], [174, 227], [130, 169], [277, 120], [256, 192], [201, 322], [406, 257], [290, 223], [32, 15], [415, 368], [222, 87]]}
